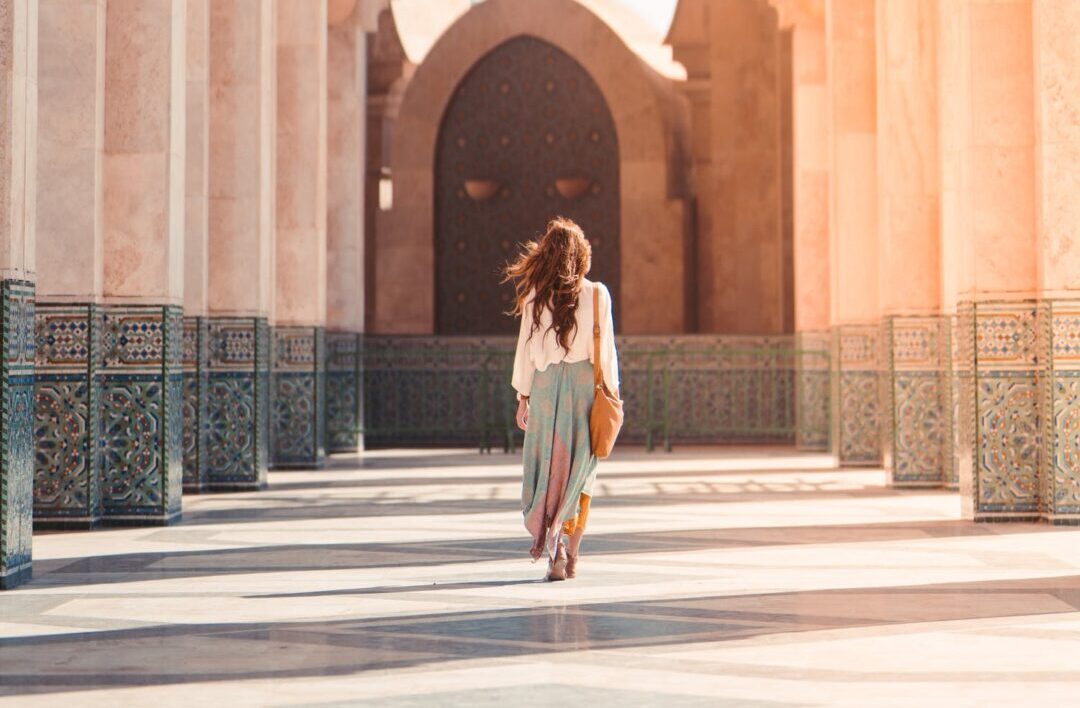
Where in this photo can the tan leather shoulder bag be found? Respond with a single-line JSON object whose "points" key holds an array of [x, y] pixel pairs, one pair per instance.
{"points": [[607, 411]]}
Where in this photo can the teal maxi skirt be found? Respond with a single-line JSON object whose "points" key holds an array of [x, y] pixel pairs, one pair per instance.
{"points": [[558, 458]]}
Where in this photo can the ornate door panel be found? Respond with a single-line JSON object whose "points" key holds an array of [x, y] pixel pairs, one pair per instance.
{"points": [[526, 136]]}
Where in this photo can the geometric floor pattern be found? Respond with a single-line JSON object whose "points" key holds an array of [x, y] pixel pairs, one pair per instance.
{"points": [[725, 576]]}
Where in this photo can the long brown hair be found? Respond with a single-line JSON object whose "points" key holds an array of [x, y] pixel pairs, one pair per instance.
{"points": [[554, 267]]}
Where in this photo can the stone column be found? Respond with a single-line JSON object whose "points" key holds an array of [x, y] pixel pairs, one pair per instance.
{"points": [[195, 246], [298, 431], [854, 313], [243, 54], [67, 415], [1057, 223], [811, 218], [347, 123], [143, 176], [987, 60], [915, 337], [18, 160], [740, 187]]}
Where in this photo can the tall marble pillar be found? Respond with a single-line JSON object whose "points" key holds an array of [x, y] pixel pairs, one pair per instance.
{"points": [[196, 190], [143, 177], [346, 154], [739, 194], [853, 272], [243, 54], [811, 218], [1057, 222], [18, 160], [67, 413], [298, 384], [987, 59], [915, 432]]}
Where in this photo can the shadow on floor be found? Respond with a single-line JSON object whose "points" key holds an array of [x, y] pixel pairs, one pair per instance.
{"points": [[178, 654], [298, 558]]}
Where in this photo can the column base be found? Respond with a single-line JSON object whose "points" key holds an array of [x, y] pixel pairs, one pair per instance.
{"points": [[999, 424], [17, 440], [916, 390], [855, 396], [344, 393], [812, 397], [67, 415], [66, 523], [238, 427], [298, 388], [142, 415], [196, 382], [14, 577]]}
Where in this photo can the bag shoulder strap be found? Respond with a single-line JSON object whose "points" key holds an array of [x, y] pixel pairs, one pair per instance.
{"points": [[598, 372]]}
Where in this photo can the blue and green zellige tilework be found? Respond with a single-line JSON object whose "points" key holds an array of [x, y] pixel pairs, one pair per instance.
{"points": [[142, 414], [67, 415], [16, 430], [298, 386]]}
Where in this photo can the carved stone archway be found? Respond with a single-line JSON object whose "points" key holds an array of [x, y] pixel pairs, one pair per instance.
{"points": [[526, 136], [646, 113]]}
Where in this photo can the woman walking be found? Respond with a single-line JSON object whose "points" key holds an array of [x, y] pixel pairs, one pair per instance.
{"points": [[553, 375]]}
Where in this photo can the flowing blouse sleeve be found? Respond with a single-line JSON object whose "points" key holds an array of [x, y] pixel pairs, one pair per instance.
{"points": [[524, 367], [610, 357]]}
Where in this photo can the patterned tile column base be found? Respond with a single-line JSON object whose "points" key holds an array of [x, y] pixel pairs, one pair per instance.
{"points": [[344, 393], [16, 431], [998, 425], [67, 416], [916, 393], [298, 385], [1059, 354], [812, 410], [142, 415], [195, 389], [856, 430], [238, 403]]}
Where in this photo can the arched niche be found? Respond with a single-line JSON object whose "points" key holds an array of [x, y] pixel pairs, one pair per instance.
{"points": [[646, 115]]}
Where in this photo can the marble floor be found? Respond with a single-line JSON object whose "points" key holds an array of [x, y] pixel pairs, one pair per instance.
{"points": [[742, 577]]}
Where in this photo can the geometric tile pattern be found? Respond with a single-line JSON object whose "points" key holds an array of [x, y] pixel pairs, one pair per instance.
{"points": [[917, 391], [1059, 349], [17, 356], [142, 414], [675, 389], [1000, 415], [196, 384], [812, 410], [237, 415], [857, 391], [344, 392], [67, 415], [298, 389]]}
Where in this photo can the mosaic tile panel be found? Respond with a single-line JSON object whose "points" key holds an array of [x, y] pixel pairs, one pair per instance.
{"points": [[950, 404], [17, 327], [916, 393], [812, 410], [1059, 330], [1003, 474], [298, 388], [142, 414], [684, 389], [857, 426], [344, 393], [67, 415], [196, 385], [237, 403]]}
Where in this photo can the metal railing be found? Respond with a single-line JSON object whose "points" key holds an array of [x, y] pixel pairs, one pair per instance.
{"points": [[686, 389]]}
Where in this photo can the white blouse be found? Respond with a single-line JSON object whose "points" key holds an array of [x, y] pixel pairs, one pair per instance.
{"points": [[537, 353]]}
